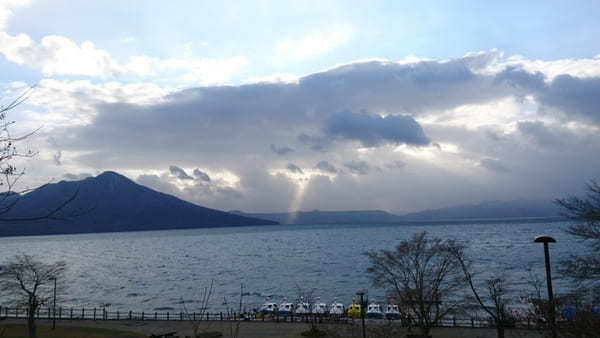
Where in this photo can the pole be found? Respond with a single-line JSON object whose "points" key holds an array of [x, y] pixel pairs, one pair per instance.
{"points": [[54, 307], [550, 294], [551, 314], [362, 315]]}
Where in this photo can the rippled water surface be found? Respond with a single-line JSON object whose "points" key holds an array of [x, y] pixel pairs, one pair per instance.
{"points": [[156, 270]]}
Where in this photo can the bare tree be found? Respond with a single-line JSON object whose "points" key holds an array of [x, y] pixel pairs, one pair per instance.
{"points": [[423, 274], [584, 269], [10, 174], [31, 283], [495, 293], [200, 326]]}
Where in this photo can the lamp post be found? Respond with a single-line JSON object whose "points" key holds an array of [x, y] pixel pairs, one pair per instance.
{"points": [[361, 293], [54, 307], [546, 240]]}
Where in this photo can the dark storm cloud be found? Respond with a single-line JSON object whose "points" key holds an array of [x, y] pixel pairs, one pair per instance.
{"points": [[179, 173], [281, 150], [201, 175], [326, 166], [373, 130], [358, 167], [294, 168], [574, 96], [518, 77]]}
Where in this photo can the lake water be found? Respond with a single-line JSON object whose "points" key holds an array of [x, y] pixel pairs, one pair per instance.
{"points": [[156, 270]]}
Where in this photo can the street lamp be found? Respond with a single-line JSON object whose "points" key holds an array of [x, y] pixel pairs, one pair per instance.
{"points": [[54, 307], [546, 240], [361, 294]]}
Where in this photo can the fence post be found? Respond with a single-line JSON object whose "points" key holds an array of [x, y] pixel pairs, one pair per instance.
{"points": [[59, 312], [155, 315], [472, 322], [82, 313], [454, 321], [129, 315], [117, 314], [207, 315], [142, 315], [167, 315], [94, 313], [48, 313], [221, 315], [180, 315], [71, 313]]}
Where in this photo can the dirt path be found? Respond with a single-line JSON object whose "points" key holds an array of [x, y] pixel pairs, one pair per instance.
{"points": [[267, 329]]}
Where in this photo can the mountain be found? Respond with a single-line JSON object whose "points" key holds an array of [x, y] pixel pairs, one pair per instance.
{"points": [[327, 217], [111, 202], [489, 210]]}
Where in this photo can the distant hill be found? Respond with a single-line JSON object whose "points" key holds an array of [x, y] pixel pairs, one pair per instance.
{"points": [[486, 211], [111, 202], [489, 210], [327, 217]]}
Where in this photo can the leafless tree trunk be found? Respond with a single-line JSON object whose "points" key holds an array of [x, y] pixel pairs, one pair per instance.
{"points": [[423, 273], [31, 282]]}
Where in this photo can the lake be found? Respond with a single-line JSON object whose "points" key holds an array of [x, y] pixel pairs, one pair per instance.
{"points": [[157, 270]]}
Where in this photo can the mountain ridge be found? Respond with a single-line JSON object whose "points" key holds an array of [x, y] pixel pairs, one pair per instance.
{"points": [[484, 211]]}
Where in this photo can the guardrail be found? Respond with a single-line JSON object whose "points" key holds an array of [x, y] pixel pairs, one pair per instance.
{"points": [[104, 314]]}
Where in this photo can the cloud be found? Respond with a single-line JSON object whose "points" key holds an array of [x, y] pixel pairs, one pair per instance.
{"points": [[281, 150], [76, 177], [326, 166], [179, 173], [576, 97], [358, 167], [57, 157], [201, 175], [294, 169], [484, 117], [373, 130], [58, 55], [492, 164], [572, 96]]}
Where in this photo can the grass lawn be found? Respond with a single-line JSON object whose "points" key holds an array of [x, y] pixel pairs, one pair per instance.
{"points": [[43, 331]]}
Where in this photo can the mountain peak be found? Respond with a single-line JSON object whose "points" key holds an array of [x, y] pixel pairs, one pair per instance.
{"points": [[113, 202], [111, 175]]}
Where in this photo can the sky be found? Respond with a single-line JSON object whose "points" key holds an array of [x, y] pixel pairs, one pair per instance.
{"points": [[270, 106]]}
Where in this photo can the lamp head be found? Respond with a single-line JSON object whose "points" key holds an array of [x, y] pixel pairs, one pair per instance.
{"points": [[544, 239]]}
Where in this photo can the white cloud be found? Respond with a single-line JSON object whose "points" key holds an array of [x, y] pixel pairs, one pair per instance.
{"points": [[314, 43], [57, 55]]}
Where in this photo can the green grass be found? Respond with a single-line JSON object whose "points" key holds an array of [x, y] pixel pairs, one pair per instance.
{"points": [[20, 331]]}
